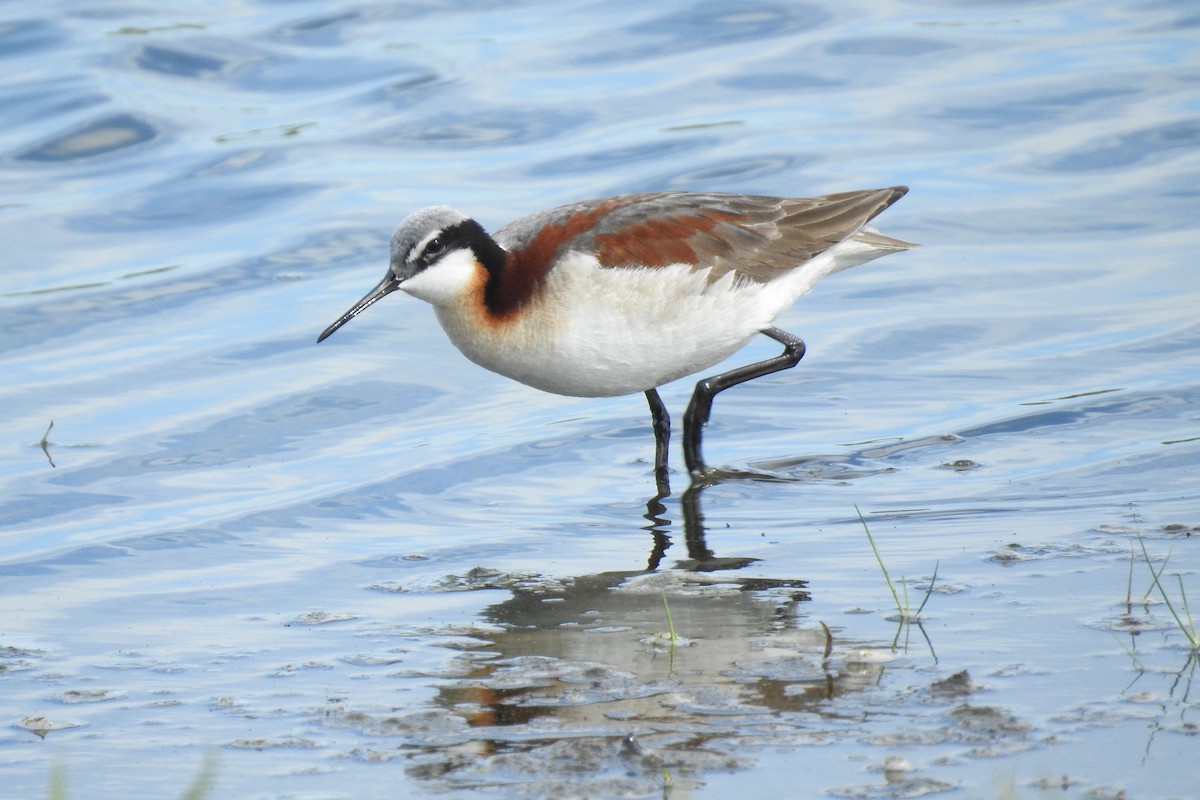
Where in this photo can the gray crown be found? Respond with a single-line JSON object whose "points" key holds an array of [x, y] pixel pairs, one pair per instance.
{"points": [[419, 225]]}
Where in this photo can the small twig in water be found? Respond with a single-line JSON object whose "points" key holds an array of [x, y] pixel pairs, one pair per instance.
{"points": [[45, 444]]}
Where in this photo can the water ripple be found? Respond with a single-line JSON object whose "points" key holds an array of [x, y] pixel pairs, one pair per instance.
{"points": [[178, 62], [102, 137], [481, 128], [1155, 143], [24, 36], [706, 25]]}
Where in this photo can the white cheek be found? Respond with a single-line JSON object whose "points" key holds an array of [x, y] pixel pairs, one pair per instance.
{"points": [[445, 281]]}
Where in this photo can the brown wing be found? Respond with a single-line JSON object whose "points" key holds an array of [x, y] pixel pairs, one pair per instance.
{"points": [[758, 238]]}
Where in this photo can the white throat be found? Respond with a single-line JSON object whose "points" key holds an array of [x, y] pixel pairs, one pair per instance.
{"points": [[445, 281]]}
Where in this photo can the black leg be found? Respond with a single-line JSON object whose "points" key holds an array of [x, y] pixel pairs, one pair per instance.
{"points": [[700, 407], [660, 420]]}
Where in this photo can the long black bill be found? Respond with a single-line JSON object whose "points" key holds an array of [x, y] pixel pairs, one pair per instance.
{"points": [[385, 287]]}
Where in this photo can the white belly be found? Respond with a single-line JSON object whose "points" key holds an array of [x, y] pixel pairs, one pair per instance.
{"points": [[601, 332]]}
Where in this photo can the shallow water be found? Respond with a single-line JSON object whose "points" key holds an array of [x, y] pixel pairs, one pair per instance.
{"points": [[370, 567]]}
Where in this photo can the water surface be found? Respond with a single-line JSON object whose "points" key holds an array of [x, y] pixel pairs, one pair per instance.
{"points": [[370, 567]]}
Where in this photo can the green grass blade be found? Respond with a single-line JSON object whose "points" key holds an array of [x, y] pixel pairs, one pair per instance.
{"points": [[1188, 632], [670, 622], [58, 783], [202, 786], [879, 559], [929, 591]]}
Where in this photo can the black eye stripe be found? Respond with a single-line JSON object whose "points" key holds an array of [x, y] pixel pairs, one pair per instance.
{"points": [[465, 234]]}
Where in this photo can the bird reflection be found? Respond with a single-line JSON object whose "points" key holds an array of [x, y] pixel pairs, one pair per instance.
{"points": [[640, 671], [699, 555]]}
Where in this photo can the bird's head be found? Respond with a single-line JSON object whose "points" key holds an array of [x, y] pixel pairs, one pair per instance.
{"points": [[435, 254]]}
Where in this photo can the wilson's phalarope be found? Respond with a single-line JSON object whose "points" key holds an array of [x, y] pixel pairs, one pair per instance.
{"points": [[623, 294]]}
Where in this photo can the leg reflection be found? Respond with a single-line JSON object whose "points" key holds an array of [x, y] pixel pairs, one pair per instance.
{"points": [[699, 556]]}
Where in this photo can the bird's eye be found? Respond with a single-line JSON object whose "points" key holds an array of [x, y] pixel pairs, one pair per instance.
{"points": [[434, 247]]}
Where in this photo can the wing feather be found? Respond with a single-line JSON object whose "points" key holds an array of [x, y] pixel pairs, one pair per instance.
{"points": [[757, 238]]}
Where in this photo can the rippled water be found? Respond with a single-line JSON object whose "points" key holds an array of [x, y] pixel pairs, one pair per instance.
{"points": [[370, 567]]}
